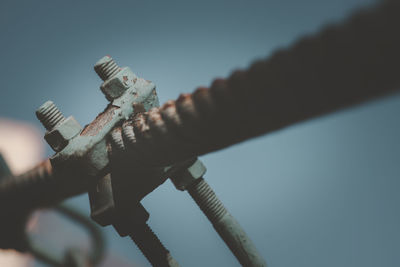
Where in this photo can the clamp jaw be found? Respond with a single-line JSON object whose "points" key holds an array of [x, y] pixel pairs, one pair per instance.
{"points": [[100, 158], [87, 151]]}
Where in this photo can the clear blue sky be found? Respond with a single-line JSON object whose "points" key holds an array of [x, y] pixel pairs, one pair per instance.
{"points": [[320, 193]]}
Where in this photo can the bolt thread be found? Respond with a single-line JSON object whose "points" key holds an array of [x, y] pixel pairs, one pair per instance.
{"points": [[228, 229], [116, 138], [207, 200], [49, 115], [106, 68], [151, 247], [128, 132]]}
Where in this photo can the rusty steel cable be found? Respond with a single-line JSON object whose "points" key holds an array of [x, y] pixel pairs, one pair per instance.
{"points": [[340, 66]]}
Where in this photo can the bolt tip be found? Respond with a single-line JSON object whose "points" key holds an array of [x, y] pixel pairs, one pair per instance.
{"points": [[106, 68], [44, 107], [103, 61], [49, 115]]}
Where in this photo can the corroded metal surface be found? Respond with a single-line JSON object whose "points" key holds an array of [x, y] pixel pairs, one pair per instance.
{"points": [[338, 67], [134, 137], [341, 66], [99, 122]]}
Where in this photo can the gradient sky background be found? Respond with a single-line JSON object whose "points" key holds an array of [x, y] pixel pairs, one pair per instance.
{"points": [[320, 193]]}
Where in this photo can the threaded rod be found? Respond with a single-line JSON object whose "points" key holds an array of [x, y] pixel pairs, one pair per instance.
{"points": [[151, 247], [207, 200], [49, 115], [106, 68], [225, 224]]}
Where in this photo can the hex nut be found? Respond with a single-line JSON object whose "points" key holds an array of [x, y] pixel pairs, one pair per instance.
{"points": [[58, 137], [117, 85], [184, 178]]}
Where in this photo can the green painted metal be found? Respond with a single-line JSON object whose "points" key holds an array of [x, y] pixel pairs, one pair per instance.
{"points": [[85, 154]]}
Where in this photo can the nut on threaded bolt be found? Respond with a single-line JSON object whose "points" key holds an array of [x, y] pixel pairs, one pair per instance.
{"points": [[106, 68], [49, 115]]}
